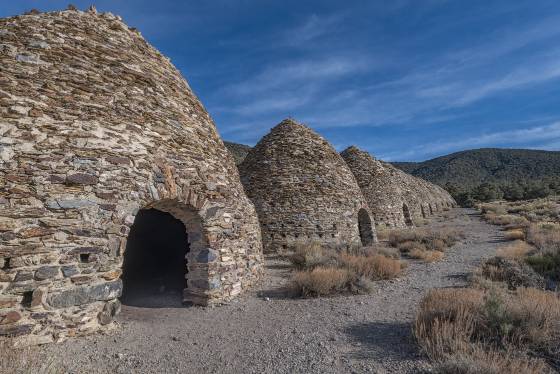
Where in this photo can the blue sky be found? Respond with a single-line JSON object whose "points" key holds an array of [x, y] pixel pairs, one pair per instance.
{"points": [[406, 80]]}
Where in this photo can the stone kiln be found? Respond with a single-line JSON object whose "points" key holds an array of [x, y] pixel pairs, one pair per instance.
{"points": [[396, 198], [304, 192], [96, 125], [380, 186]]}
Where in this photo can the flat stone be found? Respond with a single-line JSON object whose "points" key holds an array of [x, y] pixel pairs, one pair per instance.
{"points": [[69, 271], [38, 44], [118, 160], [69, 204], [38, 298], [81, 179], [33, 232], [46, 272], [23, 276], [85, 295], [29, 58], [10, 318], [207, 255], [15, 330], [8, 302]]}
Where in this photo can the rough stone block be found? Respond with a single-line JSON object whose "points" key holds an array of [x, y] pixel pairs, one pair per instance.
{"points": [[85, 294]]}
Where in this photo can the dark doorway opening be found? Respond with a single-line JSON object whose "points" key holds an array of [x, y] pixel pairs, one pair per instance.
{"points": [[364, 226], [431, 210], [423, 211], [155, 267], [406, 213]]}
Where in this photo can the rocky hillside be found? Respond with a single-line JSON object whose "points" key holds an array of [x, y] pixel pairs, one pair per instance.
{"points": [[473, 167], [239, 151]]}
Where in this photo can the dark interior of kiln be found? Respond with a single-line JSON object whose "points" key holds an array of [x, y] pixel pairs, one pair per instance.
{"points": [[154, 265]]}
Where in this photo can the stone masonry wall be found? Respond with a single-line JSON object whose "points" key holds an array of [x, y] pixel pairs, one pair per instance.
{"points": [[96, 124], [380, 186], [303, 190]]}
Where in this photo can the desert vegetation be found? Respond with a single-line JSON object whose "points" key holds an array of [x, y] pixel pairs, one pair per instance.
{"points": [[322, 271], [535, 227], [490, 331], [508, 320], [421, 243]]}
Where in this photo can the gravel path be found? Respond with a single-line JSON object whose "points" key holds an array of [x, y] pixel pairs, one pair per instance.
{"points": [[267, 332]]}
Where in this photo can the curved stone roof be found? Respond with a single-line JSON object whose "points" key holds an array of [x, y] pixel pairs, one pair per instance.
{"points": [[380, 186], [302, 189], [96, 124], [396, 198]]}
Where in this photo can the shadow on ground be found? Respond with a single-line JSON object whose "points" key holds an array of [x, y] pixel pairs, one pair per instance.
{"points": [[382, 341]]}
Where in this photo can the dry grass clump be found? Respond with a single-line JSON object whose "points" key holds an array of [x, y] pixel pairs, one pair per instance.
{"points": [[472, 331], [422, 243], [322, 281], [515, 251], [326, 272], [509, 220], [494, 208], [382, 232], [515, 234], [375, 267], [428, 256], [545, 236]]}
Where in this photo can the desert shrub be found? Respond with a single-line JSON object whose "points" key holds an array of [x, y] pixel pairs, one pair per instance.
{"points": [[489, 331], [416, 242], [382, 232], [546, 264], [426, 255], [373, 267], [397, 237], [504, 219], [311, 255], [514, 234], [512, 272], [516, 250], [386, 251], [322, 281], [546, 237], [481, 361], [327, 272], [496, 209], [411, 246]]}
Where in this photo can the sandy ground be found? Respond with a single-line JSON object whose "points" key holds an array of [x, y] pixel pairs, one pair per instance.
{"points": [[266, 331]]}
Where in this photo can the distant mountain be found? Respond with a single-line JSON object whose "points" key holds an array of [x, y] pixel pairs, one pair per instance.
{"points": [[471, 168], [239, 151], [468, 169]]}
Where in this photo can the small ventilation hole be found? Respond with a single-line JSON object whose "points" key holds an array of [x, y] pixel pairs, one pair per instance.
{"points": [[84, 257], [27, 298], [6, 263]]}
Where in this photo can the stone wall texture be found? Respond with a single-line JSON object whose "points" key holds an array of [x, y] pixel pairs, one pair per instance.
{"points": [[304, 192], [396, 198], [380, 186], [96, 124]]}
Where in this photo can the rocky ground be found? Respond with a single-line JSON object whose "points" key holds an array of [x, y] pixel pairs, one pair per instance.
{"points": [[267, 331]]}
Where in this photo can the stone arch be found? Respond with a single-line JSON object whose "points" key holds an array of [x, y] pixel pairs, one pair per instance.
{"points": [[406, 214], [364, 225], [195, 257]]}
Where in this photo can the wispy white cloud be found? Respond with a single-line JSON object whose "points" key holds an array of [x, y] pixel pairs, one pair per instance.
{"points": [[524, 136]]}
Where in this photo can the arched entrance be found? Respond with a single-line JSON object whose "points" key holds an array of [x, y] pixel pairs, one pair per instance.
{"points": [[364, 226], [159, 254], [431, 210], [406, 214]]}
